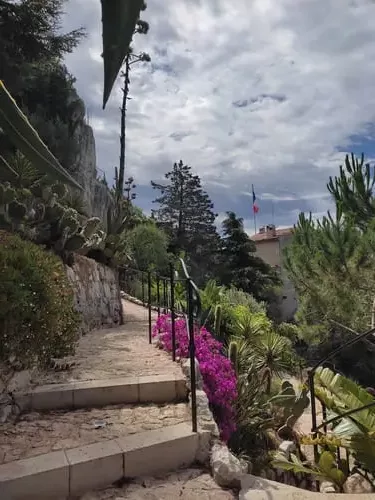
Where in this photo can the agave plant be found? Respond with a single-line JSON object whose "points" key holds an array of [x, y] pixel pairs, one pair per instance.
{"points": [[119, 18], [21, 133]]}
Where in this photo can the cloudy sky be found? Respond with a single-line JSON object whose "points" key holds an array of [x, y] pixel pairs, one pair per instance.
{"points": [[265, 92]]}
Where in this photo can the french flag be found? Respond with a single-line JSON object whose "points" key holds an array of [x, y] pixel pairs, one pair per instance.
{"points": [[255, 205]]}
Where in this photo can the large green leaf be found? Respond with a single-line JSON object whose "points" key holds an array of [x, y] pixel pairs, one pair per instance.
{"points": [[340, 394], [21, 133], [119, 18]]}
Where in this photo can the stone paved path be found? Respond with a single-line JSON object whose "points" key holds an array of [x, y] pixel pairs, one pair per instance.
{"points": [[37, 433], [187, 484], [116, 352]]}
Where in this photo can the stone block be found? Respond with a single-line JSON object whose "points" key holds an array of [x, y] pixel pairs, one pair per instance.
{"points": [[181, 389], [45, 476], [157, 389], [106, 392], [159, 451], [94, 466], [227, 470], [49, 397]]}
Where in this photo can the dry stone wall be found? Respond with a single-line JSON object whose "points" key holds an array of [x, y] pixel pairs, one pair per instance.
{"points": [[97, 293]]}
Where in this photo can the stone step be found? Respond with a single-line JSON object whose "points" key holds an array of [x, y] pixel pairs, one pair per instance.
{"points": [[257, 488], [77, 470], [96, 393], [36, 433]]}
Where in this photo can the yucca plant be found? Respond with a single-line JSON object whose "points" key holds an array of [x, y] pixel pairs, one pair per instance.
{"points": [[249, 325]]}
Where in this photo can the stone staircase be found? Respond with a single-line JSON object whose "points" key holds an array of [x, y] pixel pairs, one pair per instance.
{"points": [[115, 447], [80, 432]]}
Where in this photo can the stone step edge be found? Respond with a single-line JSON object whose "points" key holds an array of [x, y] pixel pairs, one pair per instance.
{"points": [[257, 488], [78, 470], [156, 389]]}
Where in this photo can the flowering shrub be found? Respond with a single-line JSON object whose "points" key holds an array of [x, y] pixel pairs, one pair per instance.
{"points": [[219, 379]]}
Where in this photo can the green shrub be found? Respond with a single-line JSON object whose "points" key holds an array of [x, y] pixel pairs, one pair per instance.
{"points": [[37, 318]]}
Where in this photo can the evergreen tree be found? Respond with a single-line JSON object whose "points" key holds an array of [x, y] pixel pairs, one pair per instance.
{"points": [[240, 266], [186, 214], [331, 263], [32, 49], [352, 191]]}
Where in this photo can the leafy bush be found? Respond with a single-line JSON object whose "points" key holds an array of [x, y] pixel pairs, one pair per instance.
{"points": [[219, 379], [37, 318]]}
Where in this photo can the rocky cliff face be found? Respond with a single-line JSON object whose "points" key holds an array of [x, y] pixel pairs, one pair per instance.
{"points": [[96, 195]]}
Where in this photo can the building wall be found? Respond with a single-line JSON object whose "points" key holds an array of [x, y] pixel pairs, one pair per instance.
{"points": [[271, 252]]}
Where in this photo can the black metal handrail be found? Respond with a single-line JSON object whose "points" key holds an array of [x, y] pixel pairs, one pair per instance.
{"points": [[165, 301], [311, 385], [194, 309]]}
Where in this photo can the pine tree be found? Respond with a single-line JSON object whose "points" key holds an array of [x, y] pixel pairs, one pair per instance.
{"points": [[186, 214], [352, 191], [240, 266]]}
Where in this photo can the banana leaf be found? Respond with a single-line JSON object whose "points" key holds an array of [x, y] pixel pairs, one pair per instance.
{"points": [[340, 394], [119, 18], [21, 133]]}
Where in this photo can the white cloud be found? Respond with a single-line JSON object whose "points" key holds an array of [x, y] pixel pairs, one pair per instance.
{"points": [[252, 91]]}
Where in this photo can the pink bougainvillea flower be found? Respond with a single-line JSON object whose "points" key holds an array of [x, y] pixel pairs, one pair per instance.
{"points": [[219, 378]]}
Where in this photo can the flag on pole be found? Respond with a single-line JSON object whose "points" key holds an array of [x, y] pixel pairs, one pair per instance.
{"points": [[255, 205]]}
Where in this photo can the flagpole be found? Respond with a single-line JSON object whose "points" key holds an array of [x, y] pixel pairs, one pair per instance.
{"points": [[254, 211], [255, 222]]}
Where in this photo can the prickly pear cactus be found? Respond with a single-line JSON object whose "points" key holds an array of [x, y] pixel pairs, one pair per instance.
{"points": [[74, 243], [16, 210], [90, 227]]}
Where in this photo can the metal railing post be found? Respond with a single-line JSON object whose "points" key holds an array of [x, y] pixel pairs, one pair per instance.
{"points": [[164, 296], [313, 412], [173, 313], [143, 288], [149, 307], [192, 355], [158, 294]]}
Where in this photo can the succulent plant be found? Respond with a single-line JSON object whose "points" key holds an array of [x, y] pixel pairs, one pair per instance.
{"points": [[16, 210], [217, 326], [293, 405], [233, 355]]}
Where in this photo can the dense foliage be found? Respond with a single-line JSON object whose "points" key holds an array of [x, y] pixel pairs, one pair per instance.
{"points": [[148, 247], [31, 62], [239, 265], [186, 214], [332, 266], [38, 321]]}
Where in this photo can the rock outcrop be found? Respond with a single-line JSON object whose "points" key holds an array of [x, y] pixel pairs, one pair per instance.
{"points": [[96, 195]]}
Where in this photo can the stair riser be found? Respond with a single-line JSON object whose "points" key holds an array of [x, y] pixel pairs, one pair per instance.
{"points": [[104, 393], [74, 472]]}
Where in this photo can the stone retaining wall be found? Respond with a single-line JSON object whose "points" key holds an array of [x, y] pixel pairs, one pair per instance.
{"points": [[97, 293]]}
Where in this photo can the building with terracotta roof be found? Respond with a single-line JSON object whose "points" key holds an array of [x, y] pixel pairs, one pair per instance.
{"points": [[270, 243]]}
